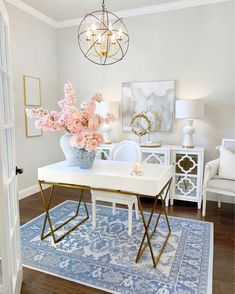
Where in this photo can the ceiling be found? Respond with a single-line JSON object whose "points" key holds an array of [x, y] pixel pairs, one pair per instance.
{"points": [[61, 10]]}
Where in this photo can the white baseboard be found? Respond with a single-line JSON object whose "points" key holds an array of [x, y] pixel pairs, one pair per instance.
{"points": [[30, 191]]}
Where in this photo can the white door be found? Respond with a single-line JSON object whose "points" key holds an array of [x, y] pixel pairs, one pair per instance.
{"points": [[9, 205]]}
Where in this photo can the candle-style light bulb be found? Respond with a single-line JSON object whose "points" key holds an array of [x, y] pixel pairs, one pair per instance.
{"points": [[120, 34], [113, 39], [103, 50], [99, 39], [110, 31], [88, 35], [93, 28]]}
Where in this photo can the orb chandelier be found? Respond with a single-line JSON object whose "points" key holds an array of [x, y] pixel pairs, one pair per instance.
{"points": [[103, 37]]}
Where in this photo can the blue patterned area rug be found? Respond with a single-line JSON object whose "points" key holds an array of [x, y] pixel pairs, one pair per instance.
{"points": [[104, 258]]}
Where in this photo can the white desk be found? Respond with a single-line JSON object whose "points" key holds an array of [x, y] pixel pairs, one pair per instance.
{"points": [[115, 175], [112, 176], [188, 172]]}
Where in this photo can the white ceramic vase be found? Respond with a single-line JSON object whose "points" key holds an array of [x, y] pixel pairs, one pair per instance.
{"points": [[72, 154]]}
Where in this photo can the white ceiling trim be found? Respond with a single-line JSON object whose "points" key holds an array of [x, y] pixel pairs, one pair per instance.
{"points": [[34, 12], [169, 6]]}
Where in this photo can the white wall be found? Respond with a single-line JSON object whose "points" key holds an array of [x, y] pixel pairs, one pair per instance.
{"points": [[33, 52], [192, 46]]}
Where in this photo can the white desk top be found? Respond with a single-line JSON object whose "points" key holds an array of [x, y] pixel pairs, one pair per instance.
{"points": [[110, 174]]}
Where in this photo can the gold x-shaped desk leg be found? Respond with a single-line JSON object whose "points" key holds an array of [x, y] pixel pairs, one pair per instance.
{"points": [[48, 218], [147, 225]]}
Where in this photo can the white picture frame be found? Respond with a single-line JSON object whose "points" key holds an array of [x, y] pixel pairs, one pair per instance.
{"points": [[155, 99]]}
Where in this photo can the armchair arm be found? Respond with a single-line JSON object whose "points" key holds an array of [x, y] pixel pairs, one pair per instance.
{"points": [[211, 169]]}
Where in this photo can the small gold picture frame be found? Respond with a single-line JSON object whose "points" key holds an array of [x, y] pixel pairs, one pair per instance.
{"points": [[31, 130], [32, 91], [32, 98]]}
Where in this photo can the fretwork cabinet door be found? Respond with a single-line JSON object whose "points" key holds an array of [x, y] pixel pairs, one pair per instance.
{"points": [[188, 175], [155, 155]]}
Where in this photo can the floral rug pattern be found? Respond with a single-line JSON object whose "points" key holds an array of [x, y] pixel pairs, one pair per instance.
{"points": [[104, 258]]}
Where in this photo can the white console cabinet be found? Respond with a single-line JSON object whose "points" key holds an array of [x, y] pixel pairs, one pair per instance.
{"points": [[188, 168]]}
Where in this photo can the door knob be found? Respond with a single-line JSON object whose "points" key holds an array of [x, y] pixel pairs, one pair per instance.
{"points": [[19, 171]]}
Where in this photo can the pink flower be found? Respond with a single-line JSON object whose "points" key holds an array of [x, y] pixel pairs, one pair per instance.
{"points": [[70, 97], [83, 124], [87, 140]]}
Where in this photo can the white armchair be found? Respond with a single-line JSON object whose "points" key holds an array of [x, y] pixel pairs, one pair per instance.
{"points": [[123, 151], [213, 182]]}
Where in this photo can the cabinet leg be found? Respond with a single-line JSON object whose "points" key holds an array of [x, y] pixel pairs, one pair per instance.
{"points": [[167, 202], [199, 204], [219, 201], [172, 201], [204, 204]]}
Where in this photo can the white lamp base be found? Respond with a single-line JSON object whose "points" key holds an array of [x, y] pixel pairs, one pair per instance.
{"points": [[105, 130], [188, 132]]}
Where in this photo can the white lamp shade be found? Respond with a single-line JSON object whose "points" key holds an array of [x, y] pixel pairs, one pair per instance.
{"points": [[189, 109], [104, 107]]}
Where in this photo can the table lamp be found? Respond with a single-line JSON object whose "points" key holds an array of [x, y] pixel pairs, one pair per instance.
{"points": [[189, 110], [103, 108]]}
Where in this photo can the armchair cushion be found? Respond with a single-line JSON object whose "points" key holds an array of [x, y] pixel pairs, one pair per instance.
{"points": [[222, 184], [227, 164], [211, 170]]}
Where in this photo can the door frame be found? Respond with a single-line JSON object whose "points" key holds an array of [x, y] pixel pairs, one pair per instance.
{"points": [[9, 285]]}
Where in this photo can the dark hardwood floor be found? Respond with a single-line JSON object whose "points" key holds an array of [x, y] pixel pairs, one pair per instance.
{"points": [[223, 275]]}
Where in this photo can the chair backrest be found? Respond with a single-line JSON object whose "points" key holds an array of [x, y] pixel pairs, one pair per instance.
{"points": [[126, 151], [229, 144]]}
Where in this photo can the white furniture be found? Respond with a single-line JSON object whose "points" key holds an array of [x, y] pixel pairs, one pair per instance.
{"points": [[189, 109], [124, 151], [188, 171], [109, 176], [103, 108], [213, 182]]}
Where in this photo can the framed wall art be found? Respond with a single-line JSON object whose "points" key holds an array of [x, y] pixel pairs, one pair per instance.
{"points": [[31, 130], [32, 91], [154, 99], [32, 98]]}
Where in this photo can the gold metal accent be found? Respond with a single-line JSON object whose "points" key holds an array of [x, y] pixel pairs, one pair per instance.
{"points": [[30, 105], [151, 145], [188, 147], [40, 92], [26, 128], [137, 127], [146, 225], [48, 218]]}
